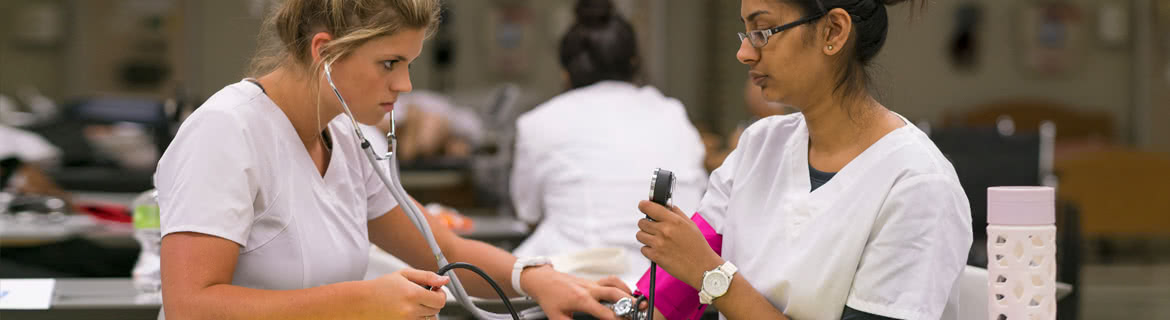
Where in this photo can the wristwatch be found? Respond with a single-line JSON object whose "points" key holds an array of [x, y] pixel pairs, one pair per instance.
{"points": [[524, 262], [716, 282], [624, 307]]}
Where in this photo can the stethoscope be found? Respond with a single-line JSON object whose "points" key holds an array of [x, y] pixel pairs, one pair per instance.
{"points": [[390, 178], [662, 185]]}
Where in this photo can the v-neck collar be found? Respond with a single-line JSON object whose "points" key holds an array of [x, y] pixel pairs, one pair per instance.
{"points": [[290, 136], [798, 164], [330, 141]]}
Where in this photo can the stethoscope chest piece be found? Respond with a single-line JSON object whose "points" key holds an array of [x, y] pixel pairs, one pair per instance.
{"points": [[662, 187]]}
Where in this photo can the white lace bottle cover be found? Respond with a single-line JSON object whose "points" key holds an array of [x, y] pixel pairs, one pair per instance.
{"points": [[1021, 251]]}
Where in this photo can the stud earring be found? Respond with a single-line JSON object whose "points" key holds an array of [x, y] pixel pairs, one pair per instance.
{"points": [[830, 47]]}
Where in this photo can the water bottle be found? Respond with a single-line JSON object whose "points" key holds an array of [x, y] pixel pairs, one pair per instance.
{"points": [[1021, 247], [146, 274]]}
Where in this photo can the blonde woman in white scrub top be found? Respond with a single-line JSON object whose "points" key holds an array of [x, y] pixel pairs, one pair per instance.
{"points": [[268, 209]]}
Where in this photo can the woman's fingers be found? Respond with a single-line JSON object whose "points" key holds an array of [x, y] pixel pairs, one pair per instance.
{"points": [[655, 211], [649, 254], [424, 278], [646, 239], [610, 294], [612, 281], [435, 299], [648, 226], [427, 312]]}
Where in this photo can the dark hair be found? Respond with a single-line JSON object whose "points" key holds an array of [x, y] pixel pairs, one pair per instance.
{"points": [[599, 46], [870, 23]]}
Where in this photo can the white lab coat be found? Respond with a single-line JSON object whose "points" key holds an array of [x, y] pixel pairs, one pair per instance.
{"points": [[584, 159], [887, 235]]}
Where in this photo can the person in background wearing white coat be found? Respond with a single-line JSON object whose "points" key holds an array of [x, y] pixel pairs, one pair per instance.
{"points": [[584, 158]]}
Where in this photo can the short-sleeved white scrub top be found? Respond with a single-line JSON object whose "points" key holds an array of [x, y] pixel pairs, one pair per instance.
{"points": [[887, 235], [237, 170]]}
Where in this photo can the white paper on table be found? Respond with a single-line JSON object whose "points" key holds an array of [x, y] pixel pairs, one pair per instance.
{"points": [[26, 294]]}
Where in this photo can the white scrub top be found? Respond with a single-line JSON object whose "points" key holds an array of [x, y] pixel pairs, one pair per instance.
{"points": [[237, 170], [584, 159], [888, 235], [27, 146]]}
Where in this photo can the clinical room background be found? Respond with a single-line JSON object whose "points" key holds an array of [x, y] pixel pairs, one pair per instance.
{"points": [[1073, 94]]}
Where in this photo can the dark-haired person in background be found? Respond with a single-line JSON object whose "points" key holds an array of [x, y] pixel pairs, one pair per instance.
{"points": [[585, 157], [841, 211]]}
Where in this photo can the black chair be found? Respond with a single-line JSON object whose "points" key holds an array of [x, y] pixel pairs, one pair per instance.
{"points": [[984, 158], [83, 167]]}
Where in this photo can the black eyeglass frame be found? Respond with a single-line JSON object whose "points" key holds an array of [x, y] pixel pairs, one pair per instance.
{"points": [[764, 34]]}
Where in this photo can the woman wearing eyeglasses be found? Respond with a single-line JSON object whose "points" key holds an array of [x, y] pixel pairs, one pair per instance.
{"points": [[841, 211]]}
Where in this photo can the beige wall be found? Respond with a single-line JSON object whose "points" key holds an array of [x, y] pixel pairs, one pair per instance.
{"points": [[687, 57], [674, 60], [914, 77], [224, 37], [918, 81], [730, 76], [689, 47], [210, 43], [106, 33], [21, 64], [1158, 123], [476, 61]]}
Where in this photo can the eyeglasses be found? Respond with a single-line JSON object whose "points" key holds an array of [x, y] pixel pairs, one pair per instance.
{"points": [[759, 38]]}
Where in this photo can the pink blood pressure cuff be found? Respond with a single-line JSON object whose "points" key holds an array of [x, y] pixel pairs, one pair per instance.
{"points": [[674, 298]]}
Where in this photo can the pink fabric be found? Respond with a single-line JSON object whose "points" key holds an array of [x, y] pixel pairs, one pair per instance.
{"points": [[674, 298]]}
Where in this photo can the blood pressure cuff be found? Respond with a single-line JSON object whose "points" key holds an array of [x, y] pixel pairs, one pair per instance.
{"points": [[674, 298]]}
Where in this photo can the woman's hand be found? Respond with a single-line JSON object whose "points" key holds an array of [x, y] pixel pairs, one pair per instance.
{"points": [[560, 294], [404, 294], [674, 242]]}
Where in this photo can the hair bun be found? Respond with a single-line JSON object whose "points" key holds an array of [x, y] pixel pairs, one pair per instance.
{"points": [[594, 12]]}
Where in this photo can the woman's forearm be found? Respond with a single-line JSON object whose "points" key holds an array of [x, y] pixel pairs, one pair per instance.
{"points": [[395, 233], [496, 262], [225, 301]]}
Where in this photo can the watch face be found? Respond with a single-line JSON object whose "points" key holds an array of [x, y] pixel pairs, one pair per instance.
{"points": [[623, 307], [715, 284]]}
